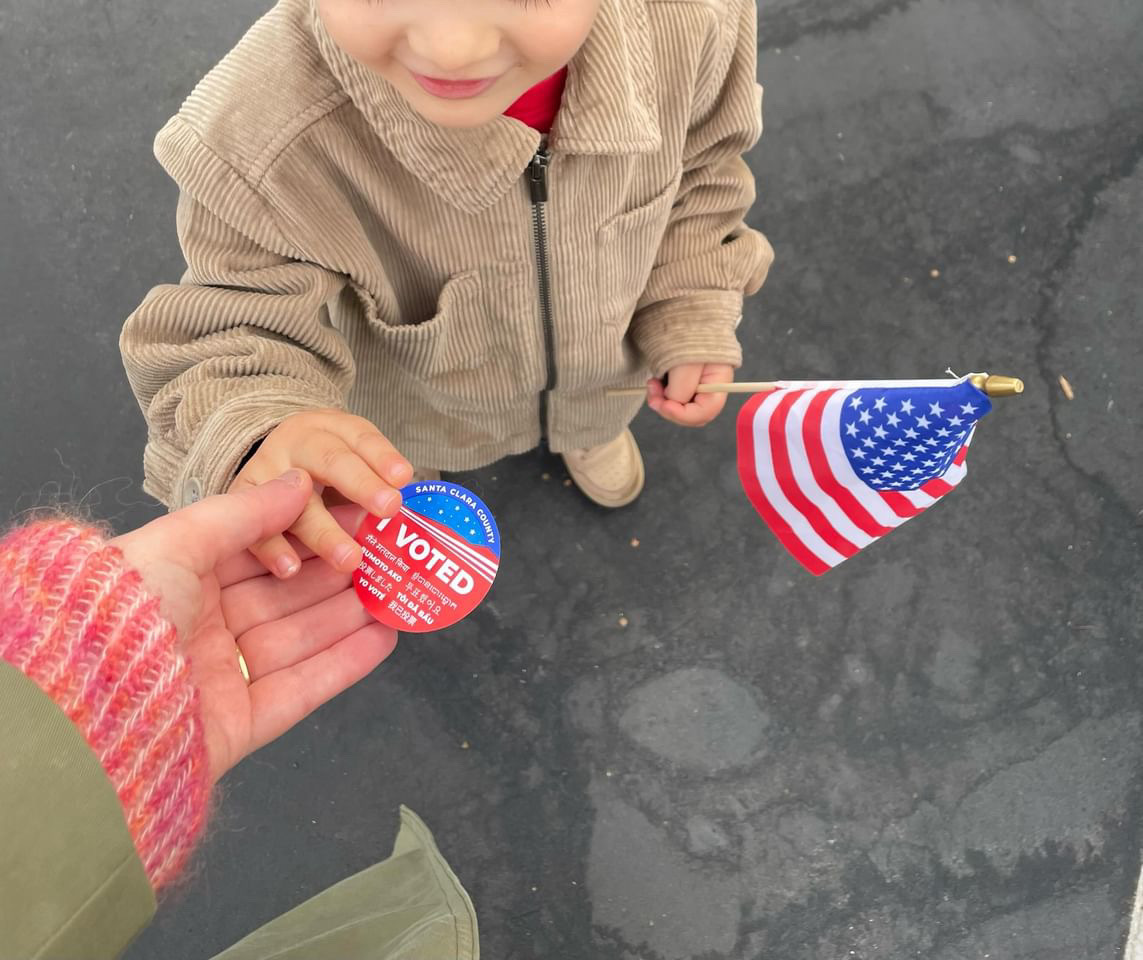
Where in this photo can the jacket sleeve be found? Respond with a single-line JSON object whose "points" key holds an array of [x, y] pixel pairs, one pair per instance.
{"points": [[410, 905], [243, 341], [73, 886], [709, 258], [103, 765]]}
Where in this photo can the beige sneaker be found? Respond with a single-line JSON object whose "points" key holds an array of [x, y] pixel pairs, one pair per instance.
{"points": [[610, 474]]}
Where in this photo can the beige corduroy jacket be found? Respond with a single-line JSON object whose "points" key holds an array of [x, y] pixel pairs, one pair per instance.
{"points": [[470, 291]]}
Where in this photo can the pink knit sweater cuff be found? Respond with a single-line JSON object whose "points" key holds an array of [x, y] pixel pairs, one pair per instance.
{"points": [[80, 624]]}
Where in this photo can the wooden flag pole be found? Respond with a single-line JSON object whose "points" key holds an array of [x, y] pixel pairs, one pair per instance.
{"points": [[745, 386], [993, 385]]}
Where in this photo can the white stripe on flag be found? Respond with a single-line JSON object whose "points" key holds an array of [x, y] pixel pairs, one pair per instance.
{"points": [[918, 498], [764, 471], [804, 477]]}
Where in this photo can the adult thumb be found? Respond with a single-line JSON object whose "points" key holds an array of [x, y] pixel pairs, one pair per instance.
{"points": [[218, 528]]}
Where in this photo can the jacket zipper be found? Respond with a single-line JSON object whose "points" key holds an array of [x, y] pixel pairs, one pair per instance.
{"points": [[538, 184]]}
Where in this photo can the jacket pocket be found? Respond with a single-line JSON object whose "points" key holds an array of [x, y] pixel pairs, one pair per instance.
{"points": [[626, 249], [456, 360]]}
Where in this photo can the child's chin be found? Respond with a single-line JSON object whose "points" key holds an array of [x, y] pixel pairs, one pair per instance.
{"points": [[456, 114], [459, 114]]}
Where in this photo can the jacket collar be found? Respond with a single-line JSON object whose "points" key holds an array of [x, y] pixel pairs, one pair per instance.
{"points": [[609, 107]]}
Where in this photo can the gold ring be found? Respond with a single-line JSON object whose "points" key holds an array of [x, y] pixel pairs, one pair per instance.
{"points": [[242, 665]]}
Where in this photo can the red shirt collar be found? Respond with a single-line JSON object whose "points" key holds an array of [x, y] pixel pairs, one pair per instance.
{"points": [[538, 106]]}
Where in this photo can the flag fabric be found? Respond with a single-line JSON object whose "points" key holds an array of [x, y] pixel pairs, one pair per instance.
{"points": [[833, 466]]}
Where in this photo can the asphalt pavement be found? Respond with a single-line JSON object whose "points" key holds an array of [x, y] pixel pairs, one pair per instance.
{"points": [[660, 739]]}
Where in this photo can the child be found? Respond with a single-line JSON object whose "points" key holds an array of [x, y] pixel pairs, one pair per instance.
{"points": [[433, 233]]}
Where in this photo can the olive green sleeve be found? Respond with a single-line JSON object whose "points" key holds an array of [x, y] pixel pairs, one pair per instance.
{"points": [[71, 883], [409, 907]]}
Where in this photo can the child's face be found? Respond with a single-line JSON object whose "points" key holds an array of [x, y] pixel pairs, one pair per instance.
{"points": [[460, 63]]}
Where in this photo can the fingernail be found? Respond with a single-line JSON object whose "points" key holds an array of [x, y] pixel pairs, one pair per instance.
{"points": [[385, 503], [292, 477], [342, 555], [401, 474], [286, 566]]}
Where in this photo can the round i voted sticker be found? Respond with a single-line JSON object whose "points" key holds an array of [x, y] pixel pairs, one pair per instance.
{"points": [[433, 563]]}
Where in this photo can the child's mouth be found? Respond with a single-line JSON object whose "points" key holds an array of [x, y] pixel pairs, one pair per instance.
{"points": [[454, 89]]}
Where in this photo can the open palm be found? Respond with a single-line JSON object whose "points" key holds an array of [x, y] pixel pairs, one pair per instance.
{"points": [[304, 639]]}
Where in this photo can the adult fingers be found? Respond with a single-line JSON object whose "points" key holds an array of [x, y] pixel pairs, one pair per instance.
{"points": [[312, 629], [280, 699], [257, 601]]}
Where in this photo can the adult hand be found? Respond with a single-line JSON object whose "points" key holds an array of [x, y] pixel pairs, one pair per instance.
{"points": [[304, 640], [677, 401]]}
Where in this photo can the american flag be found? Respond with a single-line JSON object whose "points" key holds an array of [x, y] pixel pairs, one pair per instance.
{"points": [[833, 466]]}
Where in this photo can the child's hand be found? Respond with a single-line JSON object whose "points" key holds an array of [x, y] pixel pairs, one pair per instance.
{"points": [[677, 401], [339, 451]]}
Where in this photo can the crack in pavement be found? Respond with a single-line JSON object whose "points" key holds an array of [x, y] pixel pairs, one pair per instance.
{"points": [[787, 28], [1088, 208]]}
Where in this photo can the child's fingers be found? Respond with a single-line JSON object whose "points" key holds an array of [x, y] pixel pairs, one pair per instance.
{"points": [[374, 448], [670, 410], [699, 412], [707, 406], [682, 381], [379, 453], [277, 556], [319, 531], [245, 566], [331, 461]]}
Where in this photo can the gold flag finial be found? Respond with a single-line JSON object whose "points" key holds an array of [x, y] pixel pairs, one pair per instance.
{"points": [[995, 385]]}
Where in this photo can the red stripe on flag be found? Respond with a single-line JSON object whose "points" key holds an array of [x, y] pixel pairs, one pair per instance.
{"points": [[747, 473], [900, 504], [823, 472], [789, 483], [936, 488]]}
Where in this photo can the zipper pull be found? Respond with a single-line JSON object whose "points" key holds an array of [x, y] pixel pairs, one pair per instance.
{"points": [[538, 175]]}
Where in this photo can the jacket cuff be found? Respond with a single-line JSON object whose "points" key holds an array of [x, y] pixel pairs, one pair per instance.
{"points": [[698, 328], [179, 478], [79, 623]]}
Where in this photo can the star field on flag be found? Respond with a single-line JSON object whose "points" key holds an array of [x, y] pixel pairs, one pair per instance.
{"points": [[833, 466]]}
